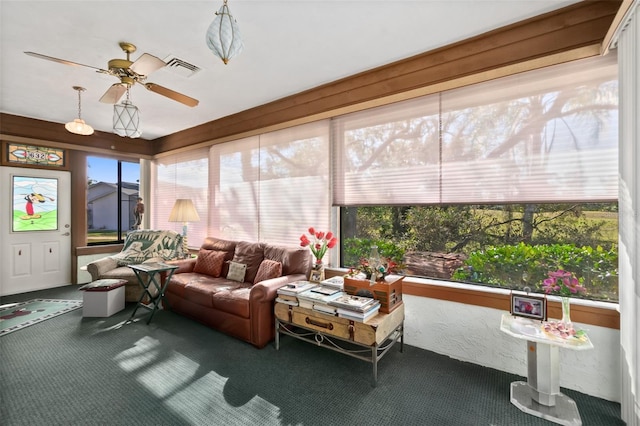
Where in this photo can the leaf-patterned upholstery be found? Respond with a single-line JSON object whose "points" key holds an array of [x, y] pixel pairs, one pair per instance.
{"points": [[140, 246]]}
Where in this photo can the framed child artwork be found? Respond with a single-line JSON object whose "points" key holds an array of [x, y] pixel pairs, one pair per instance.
{"points": [[34, 204]]}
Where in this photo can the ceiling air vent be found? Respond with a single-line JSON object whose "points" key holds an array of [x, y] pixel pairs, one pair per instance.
{"points": [[178, 66]]}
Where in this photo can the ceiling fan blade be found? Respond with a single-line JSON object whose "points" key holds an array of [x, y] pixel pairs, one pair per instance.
{"points": [[179, 97], [146, 64], [113, 93], [62, 61]]}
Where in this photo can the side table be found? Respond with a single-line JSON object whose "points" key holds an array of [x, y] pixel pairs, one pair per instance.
{"points": [[368, 341], [540, 394], [153, 271]]}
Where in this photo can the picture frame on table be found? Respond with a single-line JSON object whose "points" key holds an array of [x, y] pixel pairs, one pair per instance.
{"points": [[316, 275], [532, 307]]}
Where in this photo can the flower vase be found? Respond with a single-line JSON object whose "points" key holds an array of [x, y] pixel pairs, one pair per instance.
{"points": [[566, 311], [317, 272]]}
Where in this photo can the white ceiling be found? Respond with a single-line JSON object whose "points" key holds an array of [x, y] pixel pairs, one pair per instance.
{"points": [[290, 46]]}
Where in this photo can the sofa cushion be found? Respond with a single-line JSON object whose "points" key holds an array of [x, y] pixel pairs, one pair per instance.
{"points": [[233, 300], [251, 254], [268, 269], [144, 244], [295, 260], [237, 271], [209, 262], [198, 288], [228, 247]]}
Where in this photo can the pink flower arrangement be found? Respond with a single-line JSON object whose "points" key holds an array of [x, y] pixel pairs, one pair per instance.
{"points": [[562, 283], [319, 244]]}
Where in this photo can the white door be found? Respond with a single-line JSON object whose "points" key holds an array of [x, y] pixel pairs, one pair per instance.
{"points": [[35, 234]]}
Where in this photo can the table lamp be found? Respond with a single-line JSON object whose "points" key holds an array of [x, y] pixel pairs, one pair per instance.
{"points": [[184, 211]]}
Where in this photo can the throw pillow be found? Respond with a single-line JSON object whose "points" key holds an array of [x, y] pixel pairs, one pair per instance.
{"points": [[251, 254], [237, 271], [209, 262], [268, 269]]}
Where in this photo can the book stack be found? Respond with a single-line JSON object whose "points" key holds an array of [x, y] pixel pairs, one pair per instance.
{"points": [[318, 298], [334, 282], [356, 308], [288, 294]]}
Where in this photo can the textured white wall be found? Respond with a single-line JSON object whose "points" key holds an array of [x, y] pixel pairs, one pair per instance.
{"points": [[472, 333]]}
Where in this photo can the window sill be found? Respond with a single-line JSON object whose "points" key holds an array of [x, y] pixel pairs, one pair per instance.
{"points": [[101, 249], [602, 314]]}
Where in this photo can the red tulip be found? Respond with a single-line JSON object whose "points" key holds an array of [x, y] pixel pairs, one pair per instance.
{"points": [[332, 243], [329, 235], [319, 235], [312, 231]]}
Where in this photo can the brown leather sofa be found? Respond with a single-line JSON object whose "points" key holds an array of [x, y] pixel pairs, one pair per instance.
{"points": [[204, 290]]}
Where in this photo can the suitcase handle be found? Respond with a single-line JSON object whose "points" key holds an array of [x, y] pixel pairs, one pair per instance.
{"points": [[326, 325]]}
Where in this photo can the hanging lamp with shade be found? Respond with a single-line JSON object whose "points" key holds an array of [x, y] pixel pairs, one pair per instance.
{"points": [[126, 119], [78, 126], [223, 36]]}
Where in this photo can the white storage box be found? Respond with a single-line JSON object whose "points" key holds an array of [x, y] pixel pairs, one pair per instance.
{"points": [[103, 298]]}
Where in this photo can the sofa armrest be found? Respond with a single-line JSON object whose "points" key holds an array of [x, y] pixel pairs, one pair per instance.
{"points": [[184, 265], [261, 300], [267, 290], [99, 267]]}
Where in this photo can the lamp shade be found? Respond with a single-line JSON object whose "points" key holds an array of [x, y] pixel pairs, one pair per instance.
{"points": [[79, 127], [183, 211], [223, 35], [126, 119]]}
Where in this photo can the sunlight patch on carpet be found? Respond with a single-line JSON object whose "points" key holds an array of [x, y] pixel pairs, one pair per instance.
{"points": [[16, 316]]}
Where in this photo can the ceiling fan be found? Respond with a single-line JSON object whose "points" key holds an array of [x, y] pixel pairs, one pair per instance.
{"points": [[129, 74]]}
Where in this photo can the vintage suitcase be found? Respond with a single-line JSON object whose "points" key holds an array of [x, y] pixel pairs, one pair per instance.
{"points": [[388, 292], [370, 333]]}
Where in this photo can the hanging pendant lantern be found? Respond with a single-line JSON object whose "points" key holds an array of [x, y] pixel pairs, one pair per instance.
{"points": [[223, 35], [126, 119]]}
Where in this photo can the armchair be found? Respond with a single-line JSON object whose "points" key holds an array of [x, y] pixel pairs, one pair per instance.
{"points": [[140, 246]]}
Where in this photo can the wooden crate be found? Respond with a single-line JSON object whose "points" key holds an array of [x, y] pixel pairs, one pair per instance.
{"points": [[388, 292]]}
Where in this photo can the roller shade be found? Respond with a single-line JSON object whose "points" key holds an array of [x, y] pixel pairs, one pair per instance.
{"points": [[548, 135]]}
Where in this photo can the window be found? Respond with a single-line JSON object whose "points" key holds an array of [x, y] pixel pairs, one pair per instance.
{"points": [[495, 183], [183, 175], [271, 187], [112, 193]]}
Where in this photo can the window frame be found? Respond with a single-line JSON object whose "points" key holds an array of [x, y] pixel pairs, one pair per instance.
{"points": [[120, 233]]}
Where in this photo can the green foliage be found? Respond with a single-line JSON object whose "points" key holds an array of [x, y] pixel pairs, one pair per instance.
{"points": [[438, 229], [512, 245], [358, 248], [523, 265]]}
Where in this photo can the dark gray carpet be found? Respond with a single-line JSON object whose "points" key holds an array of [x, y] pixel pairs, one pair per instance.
{"points": [[71, 370]]}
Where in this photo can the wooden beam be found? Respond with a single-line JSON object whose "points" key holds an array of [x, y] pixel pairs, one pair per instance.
{"points": [[14, 128]]}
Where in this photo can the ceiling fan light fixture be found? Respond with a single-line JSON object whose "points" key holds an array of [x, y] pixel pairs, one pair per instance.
{"points": [[223, 35], [78, 126], [126, 119]]}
